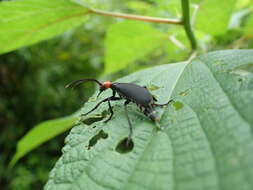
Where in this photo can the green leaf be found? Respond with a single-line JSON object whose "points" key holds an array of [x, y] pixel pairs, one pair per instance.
{"points": [[27, 22], [129, 41], [42, 133], [205, 140], [214, 15]]}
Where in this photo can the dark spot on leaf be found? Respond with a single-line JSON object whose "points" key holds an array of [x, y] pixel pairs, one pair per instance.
{"points": [[178, 105], [240, 80], [152, 87], [96, 138], [94, 118], [243, 70], [90, 120], [184, 93], [123, 147]]}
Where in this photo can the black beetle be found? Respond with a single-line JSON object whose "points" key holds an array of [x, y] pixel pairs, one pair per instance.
{"points": [[131, 93]]}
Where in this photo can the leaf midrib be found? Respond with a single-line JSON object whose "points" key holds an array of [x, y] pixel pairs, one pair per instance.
{"points": [[152, 137]]}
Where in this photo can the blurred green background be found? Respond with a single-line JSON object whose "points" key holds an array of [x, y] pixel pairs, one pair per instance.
{"points": [[32, 79]]}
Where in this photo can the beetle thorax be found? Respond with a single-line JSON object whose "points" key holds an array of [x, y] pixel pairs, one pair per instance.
{"points": [[107, 84]]}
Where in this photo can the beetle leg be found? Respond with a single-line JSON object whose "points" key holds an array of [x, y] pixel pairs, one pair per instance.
{"points": [[111, 111], [110, 107], [129, 123], [104, 100], [154, 98], [161, 105]]}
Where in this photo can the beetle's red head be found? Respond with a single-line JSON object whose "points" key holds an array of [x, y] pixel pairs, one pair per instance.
{"points": [[105, 85]]}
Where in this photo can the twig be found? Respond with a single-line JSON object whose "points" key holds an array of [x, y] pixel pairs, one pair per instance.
{"points": [[136, 17], [187, 24]]}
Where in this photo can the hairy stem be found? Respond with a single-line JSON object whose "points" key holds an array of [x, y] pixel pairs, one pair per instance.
{"points": [[187, 24]]}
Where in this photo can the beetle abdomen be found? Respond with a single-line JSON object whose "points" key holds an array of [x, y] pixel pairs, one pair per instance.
{"points": [[133, 92]]}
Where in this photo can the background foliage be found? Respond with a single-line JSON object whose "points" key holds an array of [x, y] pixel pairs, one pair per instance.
{"points": [[32, 79]]}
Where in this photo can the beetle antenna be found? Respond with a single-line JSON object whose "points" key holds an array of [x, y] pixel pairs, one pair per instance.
{"points": [[77, 82]]}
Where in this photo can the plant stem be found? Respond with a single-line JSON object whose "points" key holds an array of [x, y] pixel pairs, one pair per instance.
{"points": [[136, 17], [187, 23]]}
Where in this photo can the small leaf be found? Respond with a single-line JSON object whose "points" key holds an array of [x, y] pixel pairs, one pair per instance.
{"points": [[214, 15], [129, 41], [40, 134], [27, 22]]}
